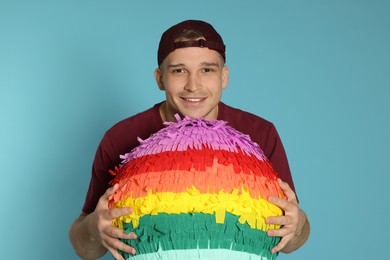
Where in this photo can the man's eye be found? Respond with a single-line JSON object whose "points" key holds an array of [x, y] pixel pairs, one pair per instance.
{"points": [[178, 71], [207, 70]]}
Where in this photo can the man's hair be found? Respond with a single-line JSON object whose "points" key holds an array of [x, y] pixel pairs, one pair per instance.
{"points": [[189, 35]]}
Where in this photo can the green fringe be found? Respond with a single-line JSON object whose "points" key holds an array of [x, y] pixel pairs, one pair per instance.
{"points": [[193, 231]]}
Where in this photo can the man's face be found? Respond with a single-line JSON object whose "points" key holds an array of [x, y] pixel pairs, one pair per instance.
{"points": [[193, 79]]}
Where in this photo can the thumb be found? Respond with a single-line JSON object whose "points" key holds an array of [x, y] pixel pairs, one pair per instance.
{"points": [[103, 201], [111, 190]]}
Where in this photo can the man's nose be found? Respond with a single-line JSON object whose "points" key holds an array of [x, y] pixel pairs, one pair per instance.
{"points": [[193, 82]]}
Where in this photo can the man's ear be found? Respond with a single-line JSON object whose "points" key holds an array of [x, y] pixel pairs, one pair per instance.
{"points": [[158, 77], [225, 76]]}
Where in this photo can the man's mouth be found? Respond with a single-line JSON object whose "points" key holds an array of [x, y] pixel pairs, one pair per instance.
{"points": [[193, 99]]}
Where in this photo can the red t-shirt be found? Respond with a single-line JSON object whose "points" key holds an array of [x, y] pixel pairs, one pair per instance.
{"points": [[122, 138]]}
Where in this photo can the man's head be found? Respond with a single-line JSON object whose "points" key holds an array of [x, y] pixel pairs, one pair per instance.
{"points": [[191, 70], [190, 33]]}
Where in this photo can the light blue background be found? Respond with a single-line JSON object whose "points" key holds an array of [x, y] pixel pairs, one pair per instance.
{"points": [[320, 70]]}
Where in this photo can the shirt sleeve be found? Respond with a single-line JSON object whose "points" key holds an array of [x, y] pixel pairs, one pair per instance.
{"points": [[278, 158], [100, 177]]}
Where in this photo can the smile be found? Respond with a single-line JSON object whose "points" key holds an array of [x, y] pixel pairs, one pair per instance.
{"points": [[193, 99]]}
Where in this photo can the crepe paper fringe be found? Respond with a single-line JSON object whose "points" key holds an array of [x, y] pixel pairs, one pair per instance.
{"points": [[153, 172], [197, 160], [204, 254], [175, 171], [190, 133], [198, 231], [251, 211], [211, 181], [197, 168]]}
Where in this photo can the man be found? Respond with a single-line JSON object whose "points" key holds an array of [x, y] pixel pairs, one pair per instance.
{"points": [[192, 72]]}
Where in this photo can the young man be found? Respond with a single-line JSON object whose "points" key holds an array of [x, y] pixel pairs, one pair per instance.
{"points": [[192, 72]]}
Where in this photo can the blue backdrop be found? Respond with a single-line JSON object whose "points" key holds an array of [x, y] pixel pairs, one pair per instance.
{"points": [[320, 70]]}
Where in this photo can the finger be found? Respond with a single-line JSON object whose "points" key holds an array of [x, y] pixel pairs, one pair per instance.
{"points": [[115, 232], [286, 205], [103, 201], [278, 220], [111, 190], [116, 245], [281, 203], [119, 212], [287, 190], [281, 232], [115, 254], [133, 235], [282, 243]]}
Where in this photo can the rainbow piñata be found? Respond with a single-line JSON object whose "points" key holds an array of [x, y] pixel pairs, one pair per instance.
{"points": [[198, 190]]}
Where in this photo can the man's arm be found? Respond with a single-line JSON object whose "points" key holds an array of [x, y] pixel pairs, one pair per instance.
{"points": [[84, 244], [295, 228], [93, 234]]}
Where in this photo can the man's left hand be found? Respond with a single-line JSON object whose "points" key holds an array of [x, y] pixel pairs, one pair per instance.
{"points": [[295, 227]]}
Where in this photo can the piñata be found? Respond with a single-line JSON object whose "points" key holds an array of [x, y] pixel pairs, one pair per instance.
{"points": [[199, 190]]}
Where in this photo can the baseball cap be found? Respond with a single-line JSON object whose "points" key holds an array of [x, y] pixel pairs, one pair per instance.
{"points": [[212, 39]]}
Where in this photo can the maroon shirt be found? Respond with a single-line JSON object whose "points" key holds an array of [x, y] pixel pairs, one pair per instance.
{"points": [[122, 138]]}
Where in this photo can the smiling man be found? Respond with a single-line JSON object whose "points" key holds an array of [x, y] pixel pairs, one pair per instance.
{"points": [[193, 79], [192, 72]]}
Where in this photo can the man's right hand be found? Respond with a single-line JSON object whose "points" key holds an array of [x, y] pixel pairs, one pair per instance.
{"points": [[95, 232], [101, 228]]}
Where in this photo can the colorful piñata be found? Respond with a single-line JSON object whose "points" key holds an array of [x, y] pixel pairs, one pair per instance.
{"points": [[198, 190]]}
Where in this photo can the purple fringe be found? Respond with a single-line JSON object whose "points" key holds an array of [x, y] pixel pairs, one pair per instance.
{"points": [[190, 133]]}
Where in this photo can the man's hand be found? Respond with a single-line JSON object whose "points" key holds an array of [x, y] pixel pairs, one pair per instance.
{"points": [[92, 235], [102, 229], [295, 226]]}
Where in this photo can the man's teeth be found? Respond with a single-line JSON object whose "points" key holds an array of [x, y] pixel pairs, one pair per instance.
{"points": [[194, 99]]}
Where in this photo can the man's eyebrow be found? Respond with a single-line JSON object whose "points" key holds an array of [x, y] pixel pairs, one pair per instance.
{"points": [[175, 65], [212, 64], [205, 63]]}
